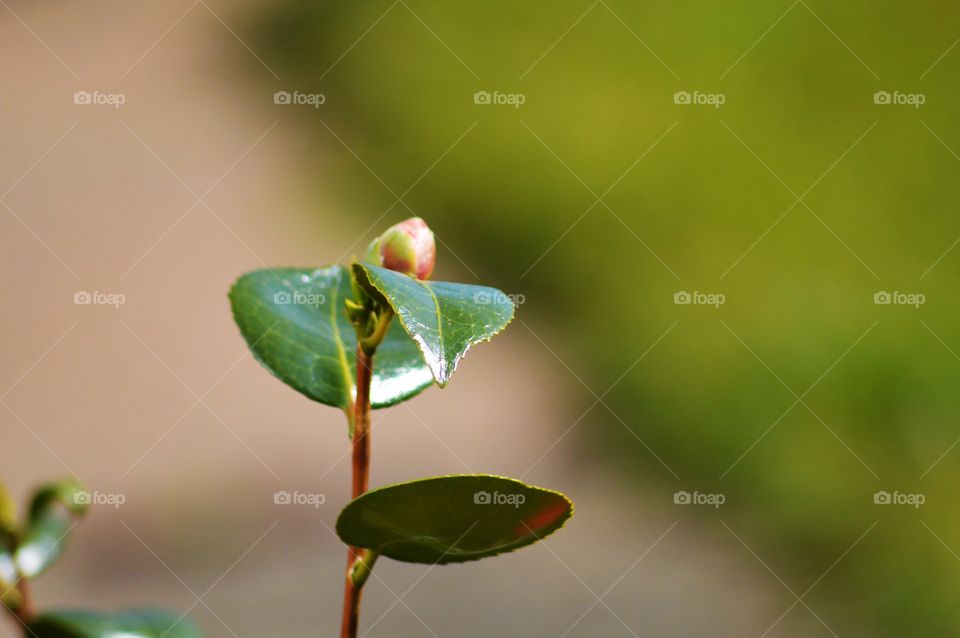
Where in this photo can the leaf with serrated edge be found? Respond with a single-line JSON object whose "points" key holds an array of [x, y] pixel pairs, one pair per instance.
{"points": [[294, 322], [452, 519], [444, 318]]}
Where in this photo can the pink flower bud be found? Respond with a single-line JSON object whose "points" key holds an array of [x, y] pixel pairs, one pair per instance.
{"points": [[407, 247]]}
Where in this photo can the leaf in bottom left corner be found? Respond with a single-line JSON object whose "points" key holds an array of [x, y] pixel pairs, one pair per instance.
{"points": [[125, 624]]}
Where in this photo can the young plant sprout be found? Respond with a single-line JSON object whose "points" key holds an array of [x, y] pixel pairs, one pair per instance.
{"points": [[368, 337]]}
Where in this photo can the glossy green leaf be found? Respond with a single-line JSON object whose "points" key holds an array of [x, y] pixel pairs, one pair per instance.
{"points": [[127, 624], [445, 319], [53, 512], [452, 519], [293, 319]]}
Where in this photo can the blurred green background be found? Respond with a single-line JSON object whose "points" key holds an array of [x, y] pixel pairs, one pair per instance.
{"points": [[600, 198]]}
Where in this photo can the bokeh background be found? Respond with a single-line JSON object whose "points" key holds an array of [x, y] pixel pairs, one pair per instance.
{"points": [[600, 202]]}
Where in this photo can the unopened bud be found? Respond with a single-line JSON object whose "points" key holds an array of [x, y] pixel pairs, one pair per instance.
{"points": [[407, 247]]}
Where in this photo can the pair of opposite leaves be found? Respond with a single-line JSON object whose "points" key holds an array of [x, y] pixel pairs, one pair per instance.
{"points": [[294, 322], [293, 319]]}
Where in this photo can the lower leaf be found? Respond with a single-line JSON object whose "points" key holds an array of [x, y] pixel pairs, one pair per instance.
{"points": [[452, 519]]}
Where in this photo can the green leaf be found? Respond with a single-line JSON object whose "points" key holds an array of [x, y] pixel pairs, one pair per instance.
{"points": [[53, 512], [294, 321], [445, 319], [8, 512], [127, 624], [452, 519]]}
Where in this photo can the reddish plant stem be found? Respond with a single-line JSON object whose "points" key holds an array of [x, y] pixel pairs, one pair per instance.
{"points": [[361, 476], [351, 603], [361, 423], [26, 612]]}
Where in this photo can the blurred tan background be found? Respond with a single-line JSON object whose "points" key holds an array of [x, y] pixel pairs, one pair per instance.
{"points": [[197, 177]]}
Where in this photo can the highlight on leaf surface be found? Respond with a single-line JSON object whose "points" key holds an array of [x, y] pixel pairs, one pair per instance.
{"points": [[452, 519], [126, 624], [444, 319], [295, 323]]}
